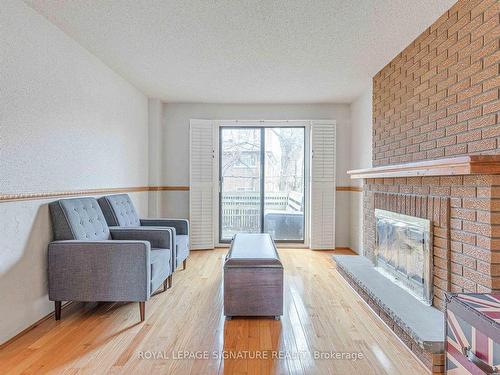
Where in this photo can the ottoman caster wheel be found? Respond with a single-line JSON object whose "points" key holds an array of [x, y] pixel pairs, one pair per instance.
{"points": [[277, 317], [229, 317]]}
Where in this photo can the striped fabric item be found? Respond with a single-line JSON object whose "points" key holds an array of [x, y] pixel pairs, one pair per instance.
{"points": [[486, 304]]}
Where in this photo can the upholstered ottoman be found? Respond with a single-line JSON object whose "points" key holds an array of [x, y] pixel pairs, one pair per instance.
{"points": [[253, 277]]}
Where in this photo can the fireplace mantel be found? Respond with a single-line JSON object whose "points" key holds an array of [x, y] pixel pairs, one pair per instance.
{"points": [[461, 165]]}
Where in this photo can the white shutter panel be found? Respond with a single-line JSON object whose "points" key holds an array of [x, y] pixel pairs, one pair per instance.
{"points": [[201, 178], [323, 185]]}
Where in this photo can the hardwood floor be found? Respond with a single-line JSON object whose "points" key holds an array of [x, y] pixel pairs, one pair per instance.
{"points": [[322, 315]]}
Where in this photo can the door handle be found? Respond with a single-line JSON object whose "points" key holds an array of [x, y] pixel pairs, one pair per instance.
{"points": [[490, 370]]}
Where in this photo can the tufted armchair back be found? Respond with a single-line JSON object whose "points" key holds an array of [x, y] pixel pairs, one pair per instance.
{"points": [[78, 219], [119, 211]]}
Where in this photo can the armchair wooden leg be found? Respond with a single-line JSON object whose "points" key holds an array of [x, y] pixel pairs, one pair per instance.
{"points": [[169, 279], [57, 311], [184, 262], [165, 284], [142, 310]]}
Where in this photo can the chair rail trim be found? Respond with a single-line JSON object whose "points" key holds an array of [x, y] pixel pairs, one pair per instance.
{"points": [[25, 196]]}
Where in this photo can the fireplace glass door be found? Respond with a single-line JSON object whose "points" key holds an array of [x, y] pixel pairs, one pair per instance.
{"points": [[404, 252]]}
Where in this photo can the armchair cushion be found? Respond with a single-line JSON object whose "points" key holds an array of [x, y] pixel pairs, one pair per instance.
{"points": [[78, 219], [119, 211], [181, 225], [162, 238], [99, 270]]}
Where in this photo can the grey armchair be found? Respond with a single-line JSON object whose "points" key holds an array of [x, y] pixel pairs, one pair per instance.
{"points": [[88, 261], [119, 211]]}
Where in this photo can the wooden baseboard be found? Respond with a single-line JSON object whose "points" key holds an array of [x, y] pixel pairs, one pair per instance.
{"points": [[34, 325]]}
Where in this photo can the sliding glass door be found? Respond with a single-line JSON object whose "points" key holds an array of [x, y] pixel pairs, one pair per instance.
{"points": [[261, 171]]}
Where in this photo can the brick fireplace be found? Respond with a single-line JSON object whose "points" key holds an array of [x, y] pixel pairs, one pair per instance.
{"points": [[466, 253], [436, 134]]}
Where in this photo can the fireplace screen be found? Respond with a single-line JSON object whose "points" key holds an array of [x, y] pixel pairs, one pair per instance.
{"points": [[404, 252]]}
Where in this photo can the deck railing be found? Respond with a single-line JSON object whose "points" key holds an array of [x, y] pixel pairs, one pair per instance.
{"points": [[241, 210]]}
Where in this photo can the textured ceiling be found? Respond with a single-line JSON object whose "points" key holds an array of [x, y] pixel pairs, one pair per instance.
{"points": [[235, 51]]}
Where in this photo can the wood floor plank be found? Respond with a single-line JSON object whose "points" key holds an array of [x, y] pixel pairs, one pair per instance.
{"points": [[185, 331]]}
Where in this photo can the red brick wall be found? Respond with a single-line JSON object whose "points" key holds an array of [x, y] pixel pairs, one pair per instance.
{"points": [[440, 96]]}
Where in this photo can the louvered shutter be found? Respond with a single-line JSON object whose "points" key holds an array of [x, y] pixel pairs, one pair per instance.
{"points": [[201, 176], [323, 185]]}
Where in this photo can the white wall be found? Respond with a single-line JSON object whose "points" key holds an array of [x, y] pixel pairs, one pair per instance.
{"points": [[67, 122], [360, 157], [176, 146], [155, 124]]}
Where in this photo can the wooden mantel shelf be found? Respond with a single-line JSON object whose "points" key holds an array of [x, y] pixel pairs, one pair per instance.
{"points": [[461, 165]]}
